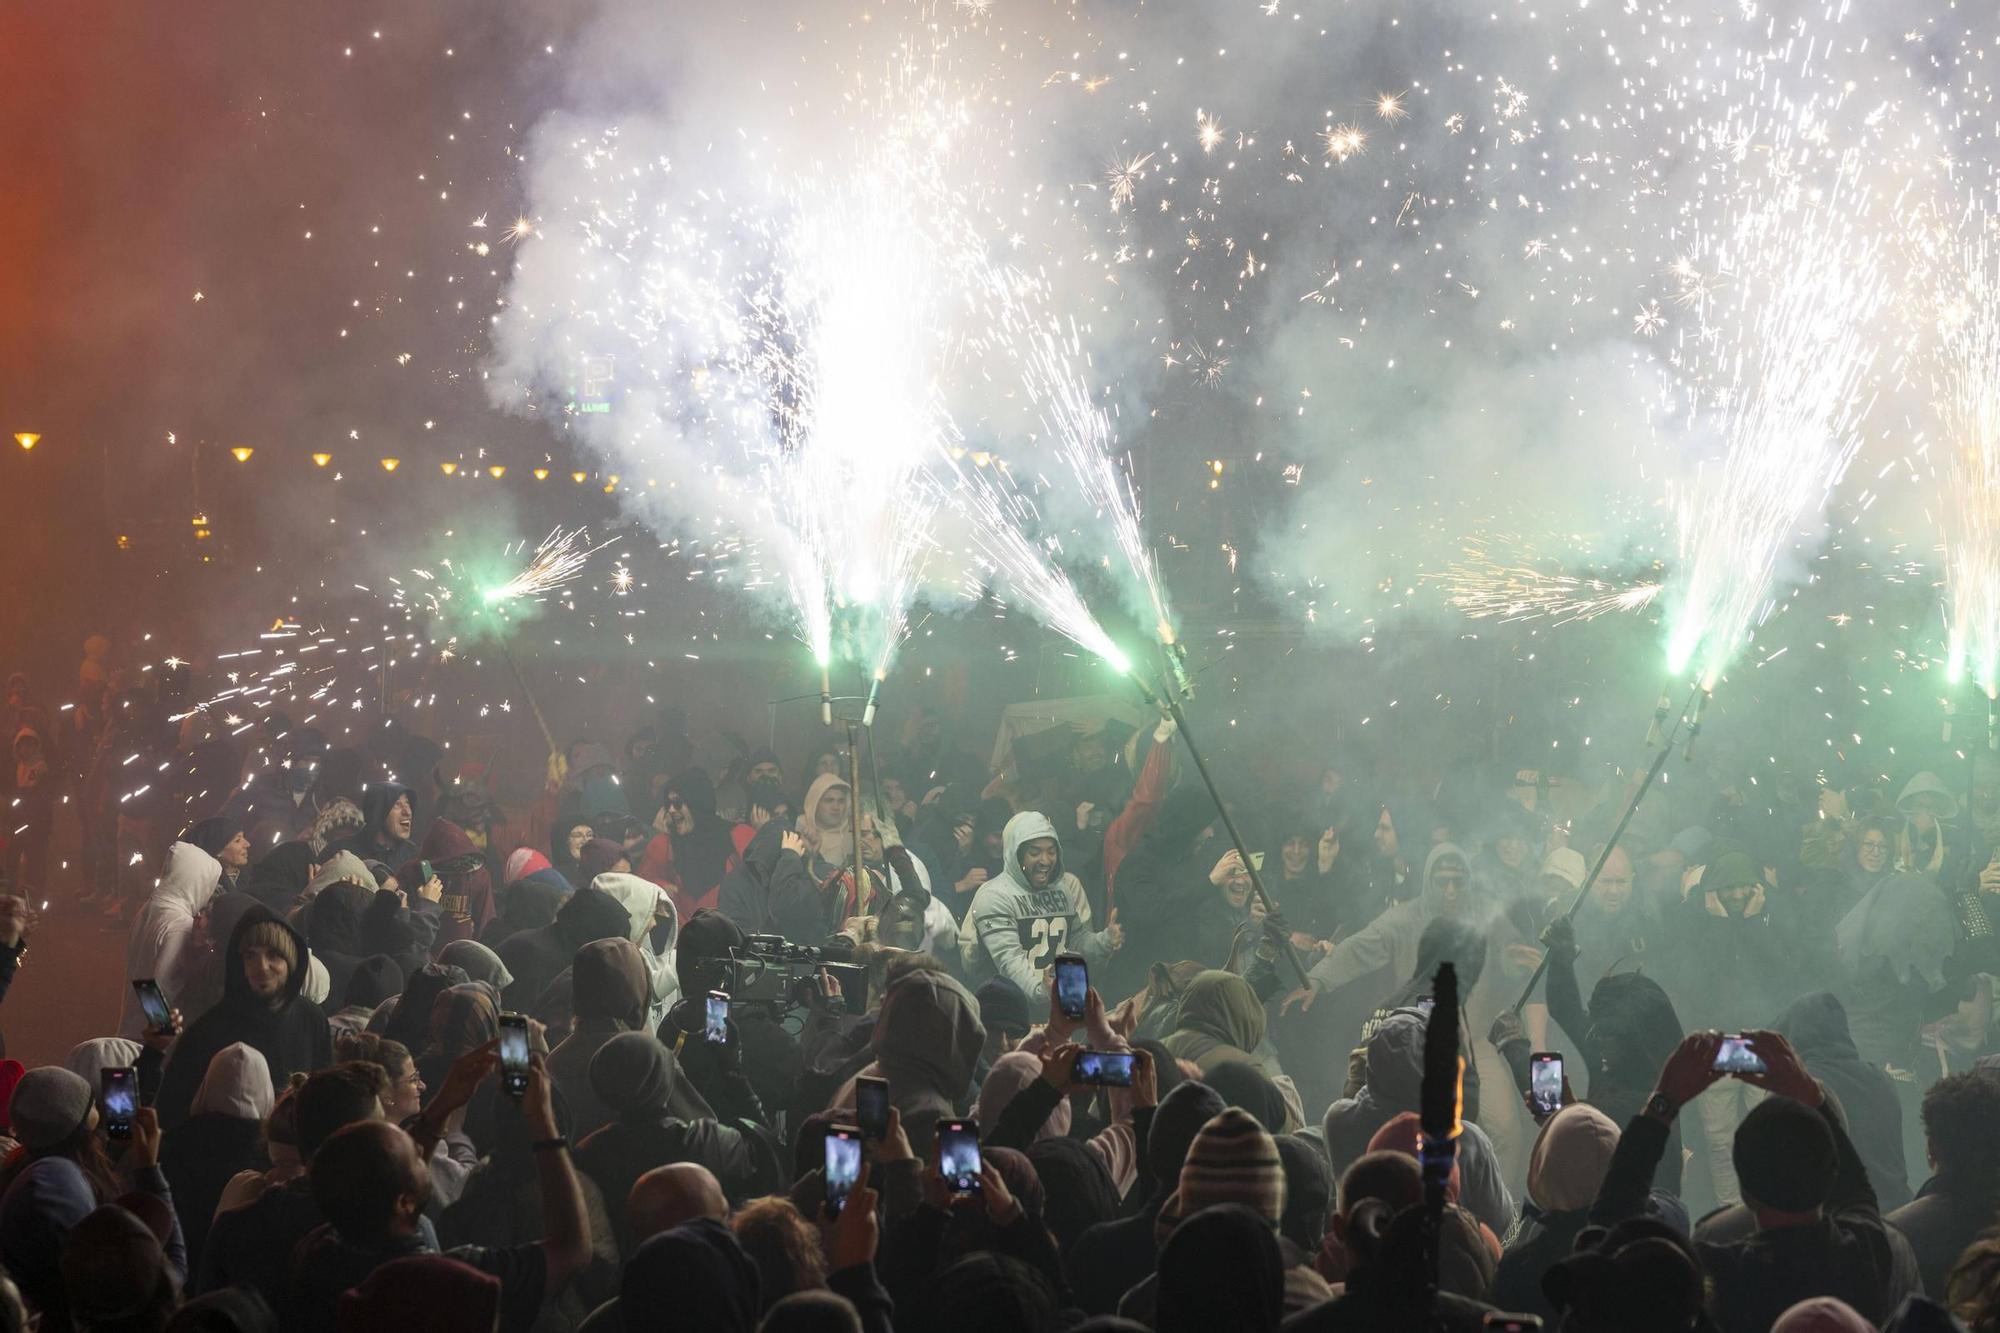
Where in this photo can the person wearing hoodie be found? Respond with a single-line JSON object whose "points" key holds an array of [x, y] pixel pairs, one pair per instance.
{"points": [[333, 929], [1565, 1170], [279, 876], [652, 925], [694, 850], [1220, 1021], [262, 1006], [1816, 1026], [374, 979], [568, 836], [164, 943], [770, 892], [633, 1076], [1111, 1258], [611, 992], [927, 1041], [1387, 947], [1170, 909], [528, 901], [536, 957], [223, 1135], [1034, 911], [223, 838], [1929, 843], [389, 814], [465, 904], [1395, 1072]]}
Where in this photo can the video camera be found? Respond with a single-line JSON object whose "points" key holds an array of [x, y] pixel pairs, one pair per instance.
{"points": [[771, 970]]}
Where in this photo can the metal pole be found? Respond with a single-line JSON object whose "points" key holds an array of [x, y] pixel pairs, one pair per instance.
{"points": [[1236, 839], [1631, 808], [548, 737], [854, 817]]}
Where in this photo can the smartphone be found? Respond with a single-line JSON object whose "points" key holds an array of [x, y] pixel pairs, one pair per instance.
{"points": [[843, 1165], [1545, 1082], [154, 1004], [1257, 862], [1502, 1322], [514, 1055], [871, 1106], [1072, 984], [424, 874], [853, 979], [1735, 1056], [716, 1029], [958, 1155], [1105, 1069], [120, 1097]]}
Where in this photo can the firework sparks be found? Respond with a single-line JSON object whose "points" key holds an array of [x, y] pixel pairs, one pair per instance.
{"points": [[1484, 587], [556, 562], [1789, 357], [1965, 384], [1390, 109], [1343, 142], [1208, 131]]}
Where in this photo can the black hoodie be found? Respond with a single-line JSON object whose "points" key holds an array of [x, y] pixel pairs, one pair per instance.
{"points": [[292, 1036], [537, 957], [769, 891], [374, 842], [1816, 1026]]}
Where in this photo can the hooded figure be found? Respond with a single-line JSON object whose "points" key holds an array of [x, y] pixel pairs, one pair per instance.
{"points": [[467, 903], [409, 1019], [1927, 846], [1395, 1063], [1221, 1272], [695, 861], [568, 836], [287, 1029], [1816, 1026], [1624, 1037], [1389, 943], [1033, 911], [699, 1272], [385, 833], [478, 962], [592, 787], [1894, 948], [828, 828], [536, 957], [1569, 1161], [611, 993], [279, 876], [1162, 889], [333, 928], [223, 1135], [529, 902], [927, 1041], [634, 1077], [163, 941], [770, 891], [642, 902], [1221, 1022]]}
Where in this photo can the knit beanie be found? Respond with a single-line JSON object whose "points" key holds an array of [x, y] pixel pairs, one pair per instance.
{"points": [[1001, 1005], [1232, 1160], [1784, 1155], [213, 834], [49, 1103], [1179, 1117]]}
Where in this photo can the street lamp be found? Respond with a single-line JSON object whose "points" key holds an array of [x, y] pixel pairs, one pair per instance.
{"points": [[27, 439]]}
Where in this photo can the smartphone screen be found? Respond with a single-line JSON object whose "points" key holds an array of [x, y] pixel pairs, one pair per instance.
{"points": [[1734, 1056], [958, 1155], [1106, 1069], [153, 1003], [1545, 1082], [514, 1054], [853, 979], [1072, 984], [843, 1165], [871, 1106], [120, 1096], [716, 1029]]}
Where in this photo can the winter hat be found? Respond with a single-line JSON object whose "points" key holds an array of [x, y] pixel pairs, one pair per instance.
{"points": [[1928, 784], [89, 1059], [1731, 870], [598, 856], [1232, 1160], [373, 980], [213, 834], [1240, 1083], [1002, 1006], [1571, 1156], [1566, 864], [523, 862], [49, 1103], [430, 1291], [1784, 1155], [1178, 1118]]}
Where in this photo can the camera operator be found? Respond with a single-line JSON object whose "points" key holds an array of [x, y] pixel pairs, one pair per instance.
{"points": [[769, 1055]]}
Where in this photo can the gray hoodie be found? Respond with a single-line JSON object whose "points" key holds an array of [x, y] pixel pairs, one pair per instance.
{"points": [[1014, 930], [1390, 940]]}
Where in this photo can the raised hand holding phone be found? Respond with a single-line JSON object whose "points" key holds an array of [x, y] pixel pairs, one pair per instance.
{"points": [[1783, 1073]]}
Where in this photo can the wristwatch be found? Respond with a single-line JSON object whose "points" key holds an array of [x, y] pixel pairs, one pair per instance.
{"points": [[1661, 1106]]}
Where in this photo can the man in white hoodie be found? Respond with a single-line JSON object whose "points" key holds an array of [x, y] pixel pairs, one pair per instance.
{"points": [[647, 905], [163, 944], [1035, 910]]}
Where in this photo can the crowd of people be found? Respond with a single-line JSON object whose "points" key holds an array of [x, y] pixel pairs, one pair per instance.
{"points": [[1769, 1008]]}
